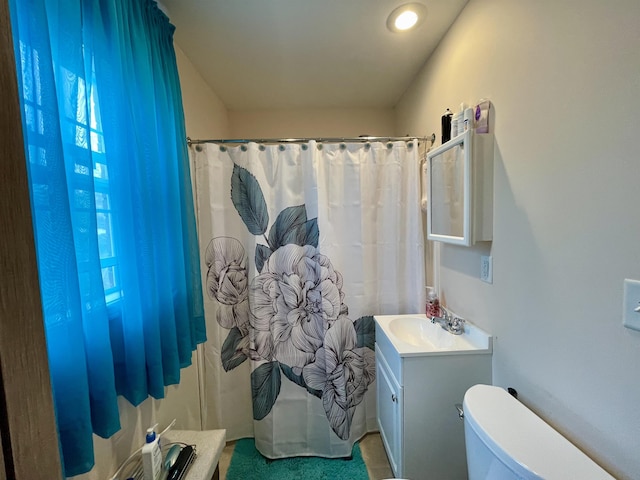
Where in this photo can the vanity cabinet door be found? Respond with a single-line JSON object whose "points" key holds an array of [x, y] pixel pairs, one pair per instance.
{"points": [[389, 400]]}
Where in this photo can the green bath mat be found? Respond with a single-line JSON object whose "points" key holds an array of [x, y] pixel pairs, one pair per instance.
{"points": [[248, 464]]}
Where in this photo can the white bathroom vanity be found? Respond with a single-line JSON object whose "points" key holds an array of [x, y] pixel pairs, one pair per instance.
{"points": [[422, 372]]}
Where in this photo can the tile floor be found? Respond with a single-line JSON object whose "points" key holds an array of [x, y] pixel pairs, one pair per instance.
{"points": [[373, 454], [375, 457]]}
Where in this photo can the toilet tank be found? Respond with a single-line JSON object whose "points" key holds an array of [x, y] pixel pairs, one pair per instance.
{"points": [[505, 440]]}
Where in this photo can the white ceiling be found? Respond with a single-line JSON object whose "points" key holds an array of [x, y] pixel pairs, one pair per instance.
{"points": [[278, 54]]}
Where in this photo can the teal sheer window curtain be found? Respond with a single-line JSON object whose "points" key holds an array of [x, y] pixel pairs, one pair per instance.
{"points": [[112, 207]]}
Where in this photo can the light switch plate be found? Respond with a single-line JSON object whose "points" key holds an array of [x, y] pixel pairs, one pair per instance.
{"points": [[486, 269], [631, 304]]}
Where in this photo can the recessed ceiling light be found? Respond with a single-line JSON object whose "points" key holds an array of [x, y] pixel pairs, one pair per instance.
{"points": [[406, 20], [406, 16]]}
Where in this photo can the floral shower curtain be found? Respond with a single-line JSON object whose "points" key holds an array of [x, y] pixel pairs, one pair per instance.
{"points": [[301, 245]]}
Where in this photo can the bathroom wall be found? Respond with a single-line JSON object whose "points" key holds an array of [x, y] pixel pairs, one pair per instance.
{"points": [[564, 79], [205, 116], [313, 122]]}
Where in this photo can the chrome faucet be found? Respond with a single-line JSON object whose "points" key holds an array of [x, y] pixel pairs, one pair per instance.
{"points": [[450, 323], [443, 320]]}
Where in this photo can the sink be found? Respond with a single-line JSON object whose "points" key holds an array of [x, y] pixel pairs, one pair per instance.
{"points": [[417, 335], [416, 331]]}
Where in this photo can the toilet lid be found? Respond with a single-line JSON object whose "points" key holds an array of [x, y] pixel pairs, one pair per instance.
{"points": [[522, 440]]}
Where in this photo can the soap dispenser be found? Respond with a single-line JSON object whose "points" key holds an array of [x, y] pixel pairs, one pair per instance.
{"points": [[152, 456], [433, 303]]}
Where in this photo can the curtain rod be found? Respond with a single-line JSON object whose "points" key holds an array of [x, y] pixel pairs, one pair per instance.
{"points": [[431, 138]]}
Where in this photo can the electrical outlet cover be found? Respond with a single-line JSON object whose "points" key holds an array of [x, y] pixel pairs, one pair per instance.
{"points": [[486, 269], [631, 304]]}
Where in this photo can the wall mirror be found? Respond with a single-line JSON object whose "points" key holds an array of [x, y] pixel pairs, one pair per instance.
{"points": [[449, 199]]}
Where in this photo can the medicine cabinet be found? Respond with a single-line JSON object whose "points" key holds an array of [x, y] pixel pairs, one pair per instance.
{"points": [[460, 190]]}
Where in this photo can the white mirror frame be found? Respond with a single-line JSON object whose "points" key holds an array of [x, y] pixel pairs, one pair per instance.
{"points": [[463, 140]]}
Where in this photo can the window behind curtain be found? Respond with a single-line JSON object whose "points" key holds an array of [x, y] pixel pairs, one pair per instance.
{"points": [[82, 118], [112, 207]]}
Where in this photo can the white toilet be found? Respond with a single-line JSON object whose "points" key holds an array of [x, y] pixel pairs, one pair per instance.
{"points": [[505, 440]]}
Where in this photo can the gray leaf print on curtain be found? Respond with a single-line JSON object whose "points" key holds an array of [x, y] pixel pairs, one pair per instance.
{"points": [[248, 199]]}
